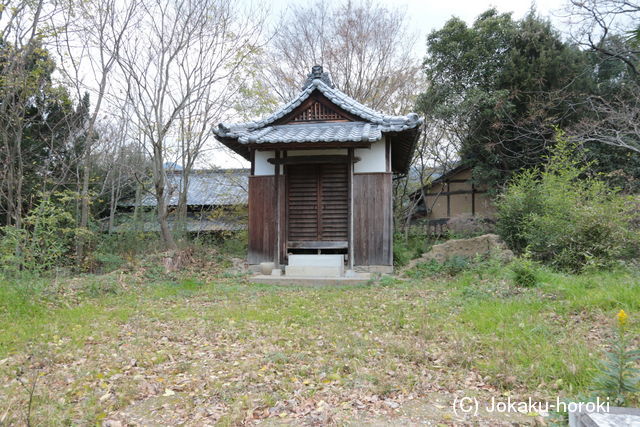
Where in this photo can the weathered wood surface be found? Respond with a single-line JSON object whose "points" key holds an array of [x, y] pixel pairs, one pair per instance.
{"points": [[373, 219], [262, 219], [310, 244], [317, 108], [318, 202]]}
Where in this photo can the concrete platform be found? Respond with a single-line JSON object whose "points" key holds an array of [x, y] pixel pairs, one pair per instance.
{"points": [[357, 279], [315, 266]]}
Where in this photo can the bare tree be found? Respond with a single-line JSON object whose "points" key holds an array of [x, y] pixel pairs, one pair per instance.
{"points": [[594, 22], [365, 46], [615, 120], [609, 28], [178, 53], [436, 152], [194, 135], [89, 42]]}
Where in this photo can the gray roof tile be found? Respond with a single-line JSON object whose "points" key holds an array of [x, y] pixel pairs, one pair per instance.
{"points": [[386, 123], [314, 132]]}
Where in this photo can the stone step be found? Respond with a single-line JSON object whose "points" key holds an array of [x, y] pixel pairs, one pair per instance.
{"points": [[315, 266]]}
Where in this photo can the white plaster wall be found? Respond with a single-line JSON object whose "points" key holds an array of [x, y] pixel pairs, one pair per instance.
{"points": [[372, 159], [325, 151], [261, 165]]}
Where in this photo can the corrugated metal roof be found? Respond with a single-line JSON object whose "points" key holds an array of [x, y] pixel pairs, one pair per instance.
{"points": [[192, 225], [314, 132], [386, 123], [223, 187]]}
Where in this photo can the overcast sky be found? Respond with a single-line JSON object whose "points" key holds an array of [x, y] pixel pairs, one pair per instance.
{"points": [[425, 16]]}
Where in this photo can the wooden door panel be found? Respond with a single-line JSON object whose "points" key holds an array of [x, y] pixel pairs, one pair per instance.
{"points": [[318, 202]]}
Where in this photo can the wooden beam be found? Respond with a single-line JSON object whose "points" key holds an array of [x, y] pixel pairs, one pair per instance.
{"points": [[312, 244], [309, 160]]}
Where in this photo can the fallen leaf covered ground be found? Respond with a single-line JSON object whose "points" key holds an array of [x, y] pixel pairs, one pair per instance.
{"points": [[216, 349]]}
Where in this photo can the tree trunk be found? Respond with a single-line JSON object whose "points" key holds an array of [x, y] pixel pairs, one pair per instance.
{"points": [[84, 205], [136, 207], [159, 181], [182, 199], [165, 232]]}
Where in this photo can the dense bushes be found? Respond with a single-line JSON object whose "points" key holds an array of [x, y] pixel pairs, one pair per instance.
{"points": [[411, 246], [564, 217], [46, 240]]}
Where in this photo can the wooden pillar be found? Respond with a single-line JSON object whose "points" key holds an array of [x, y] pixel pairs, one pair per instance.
{"points": [[350, 251], [448, 200], [473, 199], [277, 215], [283, 218]]}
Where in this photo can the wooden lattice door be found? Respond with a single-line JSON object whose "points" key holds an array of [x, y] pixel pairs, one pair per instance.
{"points": [[318, 203]]}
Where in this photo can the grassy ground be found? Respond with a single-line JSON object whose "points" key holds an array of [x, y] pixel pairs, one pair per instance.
{"points": [[205, 346]]}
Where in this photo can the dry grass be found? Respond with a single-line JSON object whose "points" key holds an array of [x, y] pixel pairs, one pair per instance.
{"points": [[149, 349]]}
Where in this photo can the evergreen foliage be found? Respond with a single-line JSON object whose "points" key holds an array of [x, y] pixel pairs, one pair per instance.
{"points": [[501, 86], [565, 217]]}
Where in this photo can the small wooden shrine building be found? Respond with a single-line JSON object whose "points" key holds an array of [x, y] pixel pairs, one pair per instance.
{"points": [[321, 176]]}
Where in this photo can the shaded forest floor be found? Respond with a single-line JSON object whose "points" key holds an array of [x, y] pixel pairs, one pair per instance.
{"points": [[204, 346]]}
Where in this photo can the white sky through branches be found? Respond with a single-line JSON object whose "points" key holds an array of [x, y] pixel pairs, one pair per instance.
{"points": [[424, 16]]}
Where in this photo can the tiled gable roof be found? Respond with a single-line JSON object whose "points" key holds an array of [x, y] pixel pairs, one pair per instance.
{"points": [[387, 123], [369, 125], [314, 132]]}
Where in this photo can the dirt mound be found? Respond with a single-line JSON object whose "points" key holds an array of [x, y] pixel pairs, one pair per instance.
{"points": [[485, 245]]}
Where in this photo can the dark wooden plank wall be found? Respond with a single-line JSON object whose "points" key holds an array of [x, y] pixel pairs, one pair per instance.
{"points": [[372, 219], [262, 219]]}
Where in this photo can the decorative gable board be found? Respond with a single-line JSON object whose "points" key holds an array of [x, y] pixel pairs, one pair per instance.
{"points": [[317, 108], [317, 112]]}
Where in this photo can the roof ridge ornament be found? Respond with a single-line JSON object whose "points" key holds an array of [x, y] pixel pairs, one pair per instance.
{"points": [[317, 73]]}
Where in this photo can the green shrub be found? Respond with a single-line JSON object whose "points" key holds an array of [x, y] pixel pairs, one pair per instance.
{"points": [[565, 218], [452, 267], [107, 262], [407, 248], [128, 243], [456, 265], [46, 240], [235, 243], [101, 286], [524, 272]]}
